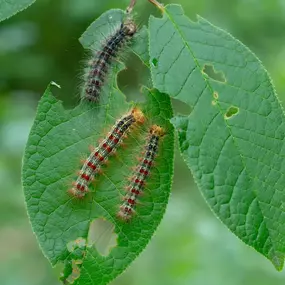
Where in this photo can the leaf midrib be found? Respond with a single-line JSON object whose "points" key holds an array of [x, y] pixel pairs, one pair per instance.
{"points": [[219, 108]]}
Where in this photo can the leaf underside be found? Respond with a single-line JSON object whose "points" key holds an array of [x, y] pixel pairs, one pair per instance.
{"points": [[233, 140], [58, 140], [12, 7]]}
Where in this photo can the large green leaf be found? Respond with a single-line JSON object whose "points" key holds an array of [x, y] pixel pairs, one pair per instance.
{"points": [[233, 140], [58, 139], [12, 7]]}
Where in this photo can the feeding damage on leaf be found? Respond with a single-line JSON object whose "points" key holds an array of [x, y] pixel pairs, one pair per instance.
{"points": [[72, 264], [209, 70], [232, 111], [87, 235], [239, 140], [102, 236], [154, 62]]}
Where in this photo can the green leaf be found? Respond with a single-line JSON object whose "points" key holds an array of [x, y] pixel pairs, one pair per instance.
{"points": [[233, 140], [65, 228], [12, 7], [140, 46]]}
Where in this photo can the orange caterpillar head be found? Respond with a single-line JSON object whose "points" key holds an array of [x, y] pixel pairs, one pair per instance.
{"points": [[138, 115], [157, 131]]}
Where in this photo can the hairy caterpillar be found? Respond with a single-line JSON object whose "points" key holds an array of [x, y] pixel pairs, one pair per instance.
{"points": [[99, 155], [98, 67], [139, 177]]}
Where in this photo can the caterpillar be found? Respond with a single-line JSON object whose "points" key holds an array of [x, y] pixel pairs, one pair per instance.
{"points": [[98, 66], [99, 155], [137, 181]]}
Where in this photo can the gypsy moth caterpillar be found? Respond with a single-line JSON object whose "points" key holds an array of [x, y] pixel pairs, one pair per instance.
{"points": [[137, 181], [100, 154], [99, 65]]}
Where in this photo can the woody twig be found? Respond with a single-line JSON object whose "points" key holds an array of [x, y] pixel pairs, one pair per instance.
{"points": [[131, 6], [157, 4]]}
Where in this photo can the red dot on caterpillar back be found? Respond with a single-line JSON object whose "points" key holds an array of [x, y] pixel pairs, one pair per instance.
{"points": [[91, 165], [99, 155], [85, 177]]}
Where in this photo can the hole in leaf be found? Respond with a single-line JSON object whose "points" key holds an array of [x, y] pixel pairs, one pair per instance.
{"points": [[180, 107], [154, 62], [72, 265], [78, 243], [212, 73], [131, 78], [102, 236], [71, 272], [232, 111]]}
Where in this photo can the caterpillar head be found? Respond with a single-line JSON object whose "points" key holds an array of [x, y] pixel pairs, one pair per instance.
{"points": [[157, 131], [138, 115], [130, 27]]}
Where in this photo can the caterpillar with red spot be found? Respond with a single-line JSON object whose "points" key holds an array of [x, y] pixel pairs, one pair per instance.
{"points": [[99, 65], [137, 182], [99, 155]]}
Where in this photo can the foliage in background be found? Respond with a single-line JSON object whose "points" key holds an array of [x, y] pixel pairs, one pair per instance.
{"points": [[12, 7], [34, 51]]}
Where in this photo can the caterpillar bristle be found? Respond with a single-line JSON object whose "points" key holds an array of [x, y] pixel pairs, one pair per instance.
{"points": [[99, 66], [100, 155], [137, 180]]}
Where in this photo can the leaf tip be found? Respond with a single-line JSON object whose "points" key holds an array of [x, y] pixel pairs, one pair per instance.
{"points": [[278, 261]]}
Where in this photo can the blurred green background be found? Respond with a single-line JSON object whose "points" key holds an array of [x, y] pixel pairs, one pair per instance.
{"points": [[191, 246]]}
